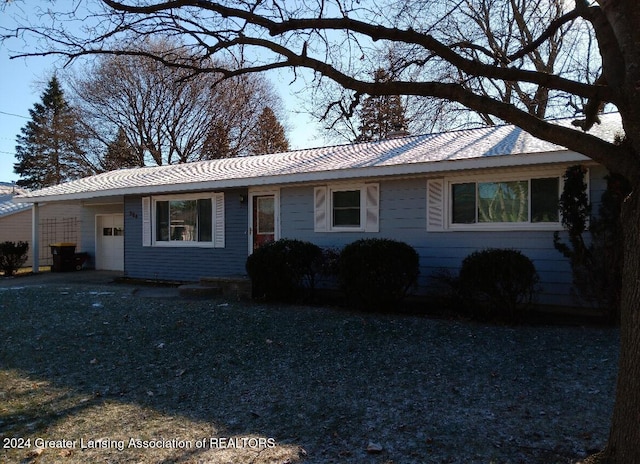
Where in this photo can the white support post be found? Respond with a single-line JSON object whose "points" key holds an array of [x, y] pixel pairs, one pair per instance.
{"points": [[35, 237]]}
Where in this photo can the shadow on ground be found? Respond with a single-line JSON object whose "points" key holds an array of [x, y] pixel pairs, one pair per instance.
{"points": [[92, 359]]}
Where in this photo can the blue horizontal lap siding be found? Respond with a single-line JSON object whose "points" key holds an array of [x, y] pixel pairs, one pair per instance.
{"points": [[403, 217], [187, 263]]}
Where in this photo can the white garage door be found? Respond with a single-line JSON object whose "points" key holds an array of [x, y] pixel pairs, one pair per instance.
{"points": [[110, 242]]}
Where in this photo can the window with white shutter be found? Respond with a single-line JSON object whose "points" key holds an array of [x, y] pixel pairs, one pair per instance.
{"points": [[496, 201], [347, 208], [372, 207], [146, 221], [435, 205], [184, 220], [218, 221], [320, 209]]}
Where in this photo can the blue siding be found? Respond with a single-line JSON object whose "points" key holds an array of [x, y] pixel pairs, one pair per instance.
{"points": [[403, 217], [187, 263]]}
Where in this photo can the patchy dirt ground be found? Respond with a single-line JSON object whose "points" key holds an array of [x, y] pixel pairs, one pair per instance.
{"points": [[95, 372]]}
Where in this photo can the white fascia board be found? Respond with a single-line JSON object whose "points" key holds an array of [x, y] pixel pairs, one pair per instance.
{"points": [[409, 169], [433, 167]]}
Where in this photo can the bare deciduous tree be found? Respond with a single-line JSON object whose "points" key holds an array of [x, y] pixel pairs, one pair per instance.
{"points": [[167, 113]]}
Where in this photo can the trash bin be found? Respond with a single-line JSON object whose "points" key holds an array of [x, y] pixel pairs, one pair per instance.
{"points": [[79, 259], [63, 256]]}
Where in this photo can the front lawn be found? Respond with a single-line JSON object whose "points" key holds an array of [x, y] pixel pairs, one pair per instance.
{"points": [[96, 373]]}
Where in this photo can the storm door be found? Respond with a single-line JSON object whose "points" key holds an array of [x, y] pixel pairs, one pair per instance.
{"points": [[263, 220]]}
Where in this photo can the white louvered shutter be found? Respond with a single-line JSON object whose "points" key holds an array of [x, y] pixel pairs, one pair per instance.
{"points": [[372, 208], [146, 221], [320, 220], [218, 220], [435, 205]]}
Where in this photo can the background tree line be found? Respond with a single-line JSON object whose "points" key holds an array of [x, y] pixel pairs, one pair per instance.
{"points": [[130, 111]]}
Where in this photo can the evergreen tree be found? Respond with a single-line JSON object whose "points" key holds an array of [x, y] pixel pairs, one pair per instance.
{"points": [[120, 154], [381, 115], [217, 144], [49, 148], [269, 135]]}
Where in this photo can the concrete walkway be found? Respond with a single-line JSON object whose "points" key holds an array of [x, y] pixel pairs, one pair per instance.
{"points": [[88, 277], [54, 278]]}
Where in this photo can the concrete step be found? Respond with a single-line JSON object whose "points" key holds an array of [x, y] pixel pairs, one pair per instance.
{"points": [[238, 287], [199, 291]]}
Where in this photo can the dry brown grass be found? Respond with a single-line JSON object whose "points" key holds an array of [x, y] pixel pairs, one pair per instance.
{"points": [[90, 362]]}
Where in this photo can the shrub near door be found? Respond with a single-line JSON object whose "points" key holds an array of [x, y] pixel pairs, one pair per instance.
{"points": [[284, 270]]}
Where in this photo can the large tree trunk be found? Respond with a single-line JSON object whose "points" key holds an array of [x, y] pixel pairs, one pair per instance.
{"points": [[623, 446]]}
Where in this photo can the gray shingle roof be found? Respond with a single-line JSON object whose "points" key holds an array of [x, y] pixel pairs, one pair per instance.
{"points": [[414, 154], [7, 206]]}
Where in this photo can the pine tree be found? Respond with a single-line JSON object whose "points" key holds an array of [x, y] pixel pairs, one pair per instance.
{"points": [[269, 135], [217, 144], [120, 154], [381, 115], [49, 148]]}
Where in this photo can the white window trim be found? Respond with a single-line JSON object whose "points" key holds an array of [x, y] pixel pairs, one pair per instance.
{"points": [[503, 177], [369, 210], [363, 209], [186, 244]]}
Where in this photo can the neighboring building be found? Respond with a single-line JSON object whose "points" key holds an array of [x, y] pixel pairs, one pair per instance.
{"points": [[445, 194], [57, 223]]}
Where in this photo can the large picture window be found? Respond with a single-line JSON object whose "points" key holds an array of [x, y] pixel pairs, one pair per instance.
{"points": [[521, 201], [186, 220]]}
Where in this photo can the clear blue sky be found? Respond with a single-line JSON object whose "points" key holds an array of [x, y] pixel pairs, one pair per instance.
{"points": [[22, 82], [20, 90]]}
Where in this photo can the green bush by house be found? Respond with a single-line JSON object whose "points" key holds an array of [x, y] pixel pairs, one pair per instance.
{"points": [[498, 283], [284, 270], [12, 256], [377, 273]]}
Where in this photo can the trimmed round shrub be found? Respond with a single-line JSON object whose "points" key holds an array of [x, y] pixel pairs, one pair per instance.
{"points": [[498, 283], [284, 270], [377, 273]]}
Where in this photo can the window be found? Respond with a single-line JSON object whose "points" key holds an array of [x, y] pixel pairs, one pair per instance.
{"points": [[512, 201], [184, 220], [347, 208], [265, 215], [503, 201]]}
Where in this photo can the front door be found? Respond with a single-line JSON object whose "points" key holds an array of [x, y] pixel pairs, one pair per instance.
{"points": [[264, 220], [110, 242]]}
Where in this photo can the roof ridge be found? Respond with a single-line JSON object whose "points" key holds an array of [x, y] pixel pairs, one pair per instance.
{"points": [[342, 145], [411, 154]]}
